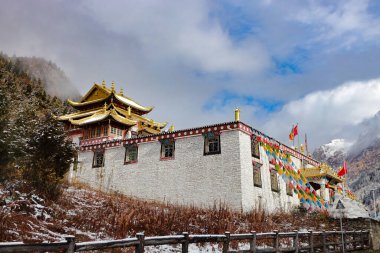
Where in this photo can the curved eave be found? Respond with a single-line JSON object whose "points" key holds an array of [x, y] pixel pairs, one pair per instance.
{"points": [[122, 120], [77, 115], [141, 118], [97, 117], [133, 104], [81, 104]]}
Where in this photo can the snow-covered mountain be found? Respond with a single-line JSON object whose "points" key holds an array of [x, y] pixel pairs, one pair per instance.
{"points": [[362, 156], [333, 153]]}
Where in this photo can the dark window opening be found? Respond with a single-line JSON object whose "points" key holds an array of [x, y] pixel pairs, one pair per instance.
{"points": [[131, 152], [167, 148], [255, 147], [98, 160], [212, 143]]}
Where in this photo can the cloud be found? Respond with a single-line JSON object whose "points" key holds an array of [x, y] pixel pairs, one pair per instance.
{"points": [[328, 114], [183, 32], [349, 21], [196, 61]]}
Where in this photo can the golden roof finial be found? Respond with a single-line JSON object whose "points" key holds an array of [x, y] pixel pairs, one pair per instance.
{"points": [[113, 86], [104, 84], [105, 106], [171, 129], [121, 92], [237, 114]]}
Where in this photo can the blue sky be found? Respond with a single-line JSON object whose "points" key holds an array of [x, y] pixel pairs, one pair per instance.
{"points": [[281, 62]]}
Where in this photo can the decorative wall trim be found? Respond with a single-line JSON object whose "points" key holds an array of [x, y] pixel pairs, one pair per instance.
{"points": [[89, 145]]}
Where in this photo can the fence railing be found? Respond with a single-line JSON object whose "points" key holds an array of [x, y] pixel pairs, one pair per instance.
{"points": [[311, 241]]}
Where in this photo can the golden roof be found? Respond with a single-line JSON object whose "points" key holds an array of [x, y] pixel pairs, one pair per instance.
{"points": [[100, 93], [118, 114], [322, 170], [102, 115]]}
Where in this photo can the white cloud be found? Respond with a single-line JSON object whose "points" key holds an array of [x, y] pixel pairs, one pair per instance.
{"points": [[349, 21], [184, 32], [328, 114]]}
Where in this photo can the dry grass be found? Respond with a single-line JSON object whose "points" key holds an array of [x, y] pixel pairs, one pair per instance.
{"points": [[91, 215]]}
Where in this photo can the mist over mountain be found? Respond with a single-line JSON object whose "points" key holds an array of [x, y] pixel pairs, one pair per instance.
{"points": [[54, 79], [362, 156]]}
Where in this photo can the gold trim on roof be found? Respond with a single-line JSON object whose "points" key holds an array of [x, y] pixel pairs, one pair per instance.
{"points": [[102, 115], [108, 94], [140, 118], [77, 115], [322, 170]]}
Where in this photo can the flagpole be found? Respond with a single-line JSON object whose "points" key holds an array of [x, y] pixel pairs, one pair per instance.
{"points": [[293, 135], [298, 139]]}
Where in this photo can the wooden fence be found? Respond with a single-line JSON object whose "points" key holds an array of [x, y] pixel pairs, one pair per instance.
{"points": [[330, 241]]}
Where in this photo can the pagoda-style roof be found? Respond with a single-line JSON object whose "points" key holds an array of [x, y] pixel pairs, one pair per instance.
{"points": [[321, 171], [112, 111], [100, 94]]}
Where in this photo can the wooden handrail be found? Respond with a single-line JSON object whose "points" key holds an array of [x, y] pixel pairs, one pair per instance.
{"points": [[322, 240]]}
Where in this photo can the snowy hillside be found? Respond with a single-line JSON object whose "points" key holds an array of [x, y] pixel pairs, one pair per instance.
{"points": [[334, 152], [362, 156]]}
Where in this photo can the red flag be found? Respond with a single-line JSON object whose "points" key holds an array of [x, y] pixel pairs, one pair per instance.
{"points": [[295, 131], [343, 170], [291, 135]]}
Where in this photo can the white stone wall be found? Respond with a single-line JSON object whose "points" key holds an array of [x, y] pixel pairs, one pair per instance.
{"points": [[254, 197], [190, 178]]}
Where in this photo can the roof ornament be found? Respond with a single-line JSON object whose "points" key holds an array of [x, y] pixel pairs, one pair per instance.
{"points": [[121, 92], [104, 84], [237, 114], [105, 106], [113, 86], [171, 129]]}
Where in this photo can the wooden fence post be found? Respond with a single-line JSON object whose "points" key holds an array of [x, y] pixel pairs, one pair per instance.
{"points": [[276, 241], [311, 241], [335, 242], [252, 242], [185, 244], [296, 241], [71, 241], [226, 243], [324, 242], [140, 246]]}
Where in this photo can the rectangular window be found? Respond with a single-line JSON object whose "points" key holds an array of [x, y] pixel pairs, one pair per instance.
{"points": [[255, 147], [274, 181], [98, 131], [289, 190], [211, 143], [92, 132], [167, 148], [130, 154], [257, 177], [98, 160], [105, 131]]}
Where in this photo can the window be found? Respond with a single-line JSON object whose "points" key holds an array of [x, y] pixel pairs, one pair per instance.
{"points": [[255, 147], [130, 154], [212, 143], [274, 181], [289, 190], [98, 160], [92, 132], [116, 131], [105, 131], [98, 131], [257, 177], [167, 148]]}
